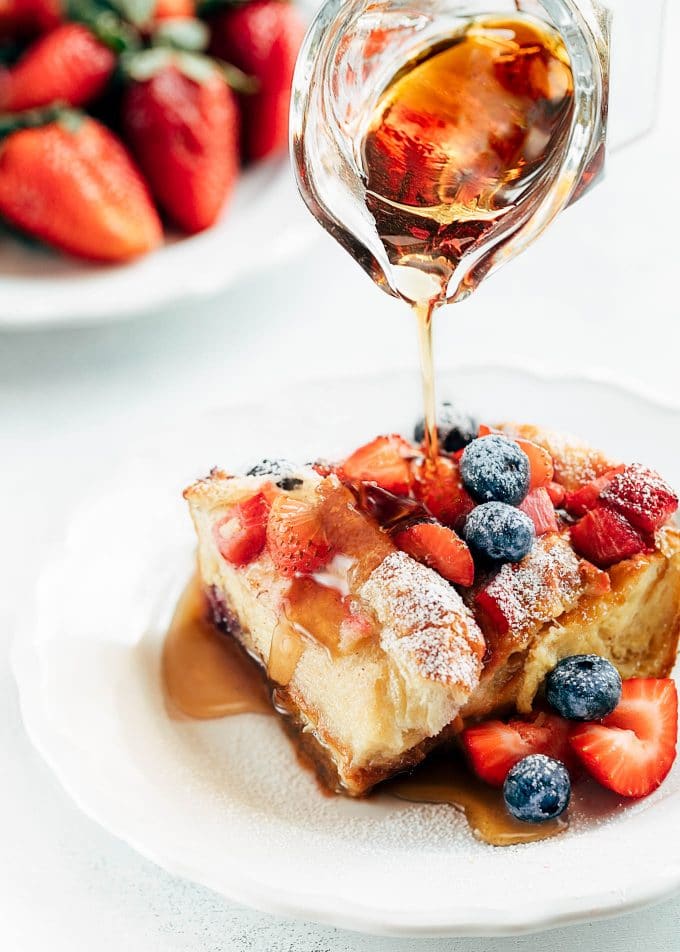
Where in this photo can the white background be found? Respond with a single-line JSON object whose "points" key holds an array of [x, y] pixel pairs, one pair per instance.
{"points": [[599, 292]]}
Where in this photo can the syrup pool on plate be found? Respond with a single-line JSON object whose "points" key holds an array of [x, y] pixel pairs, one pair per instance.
{"points": [[464, 133], [206, 674]]}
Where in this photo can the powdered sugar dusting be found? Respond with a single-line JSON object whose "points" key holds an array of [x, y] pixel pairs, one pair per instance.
{"points": [[539, 588], [423, 616], [441, 657], [643, 495]]}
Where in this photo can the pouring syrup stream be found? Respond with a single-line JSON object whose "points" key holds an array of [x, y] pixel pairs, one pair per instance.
{"points": [[424, 313], [460, 148]]}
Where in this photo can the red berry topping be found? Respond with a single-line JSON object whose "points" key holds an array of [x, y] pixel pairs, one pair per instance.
{"points": [[642, 496], [595, 581], [540, 464], [296, 538], [384, 461], [604, 537], [538, 506], [494, 747], [437, 484], [632, 750], [241, 534], [556, 493], [440, 548], [585, 498]]}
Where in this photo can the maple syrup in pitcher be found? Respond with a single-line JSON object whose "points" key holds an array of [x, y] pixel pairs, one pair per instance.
{"points": [[461, 135]]}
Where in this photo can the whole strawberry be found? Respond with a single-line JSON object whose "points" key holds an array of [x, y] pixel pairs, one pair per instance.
{"points": [[262, 39], [71, 183], [181, 121], [29, 17], [69, 65]]}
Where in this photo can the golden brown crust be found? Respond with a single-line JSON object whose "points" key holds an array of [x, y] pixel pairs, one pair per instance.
{"points": [[575, 462]]}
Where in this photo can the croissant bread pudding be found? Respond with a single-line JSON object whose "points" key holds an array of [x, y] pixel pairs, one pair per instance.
{"points": [[396, 602]]}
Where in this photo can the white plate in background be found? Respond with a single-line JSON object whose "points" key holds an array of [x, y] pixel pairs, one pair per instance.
{"points": [[264, 222], [225, 803]]}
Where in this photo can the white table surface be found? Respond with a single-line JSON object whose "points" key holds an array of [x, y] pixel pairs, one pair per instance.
{"points": [[599, 292]]}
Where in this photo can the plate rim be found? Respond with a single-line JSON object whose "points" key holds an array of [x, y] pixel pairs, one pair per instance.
{"points": [[367, 919], [100, 305]]}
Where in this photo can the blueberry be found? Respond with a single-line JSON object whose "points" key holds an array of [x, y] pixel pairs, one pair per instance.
{"points": [[495, 468], [583, 687], [499, 533], [537, 789], [282, 469], [455, 428]]}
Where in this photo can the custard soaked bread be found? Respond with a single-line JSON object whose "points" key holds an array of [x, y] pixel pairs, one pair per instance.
{"points": [[371, 654], [385, 616]]}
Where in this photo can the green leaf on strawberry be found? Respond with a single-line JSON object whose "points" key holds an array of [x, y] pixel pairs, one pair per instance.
{"points": [[181, 33]]}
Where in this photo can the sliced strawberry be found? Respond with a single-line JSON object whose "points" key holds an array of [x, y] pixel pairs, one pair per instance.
{"points": [[582, 500], [384, 461], [540, 463], [633, 749], [241, 534], [494, 747], [437, 484], [538, 506], [491, 606], [642, 496], [557, 494], [440, 548], [604, 537], [296, 538]]}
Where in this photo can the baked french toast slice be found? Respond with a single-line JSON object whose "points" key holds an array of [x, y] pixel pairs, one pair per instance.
{"points": [[351, 588], [370, 657]]}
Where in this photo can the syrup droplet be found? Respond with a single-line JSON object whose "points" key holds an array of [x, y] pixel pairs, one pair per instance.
{"points": [[206, 674], [443, 778]]}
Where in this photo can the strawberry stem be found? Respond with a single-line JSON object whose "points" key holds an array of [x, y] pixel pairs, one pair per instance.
{"points": [[106, 24], [181, 33], [239, 81], [34, 118]]}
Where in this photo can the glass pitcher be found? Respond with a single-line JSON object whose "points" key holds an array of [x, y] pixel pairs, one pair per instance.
{"points": [[340, 75]]}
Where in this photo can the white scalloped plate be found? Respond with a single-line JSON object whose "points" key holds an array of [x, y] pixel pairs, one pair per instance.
{"points": [[224, 803]]}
